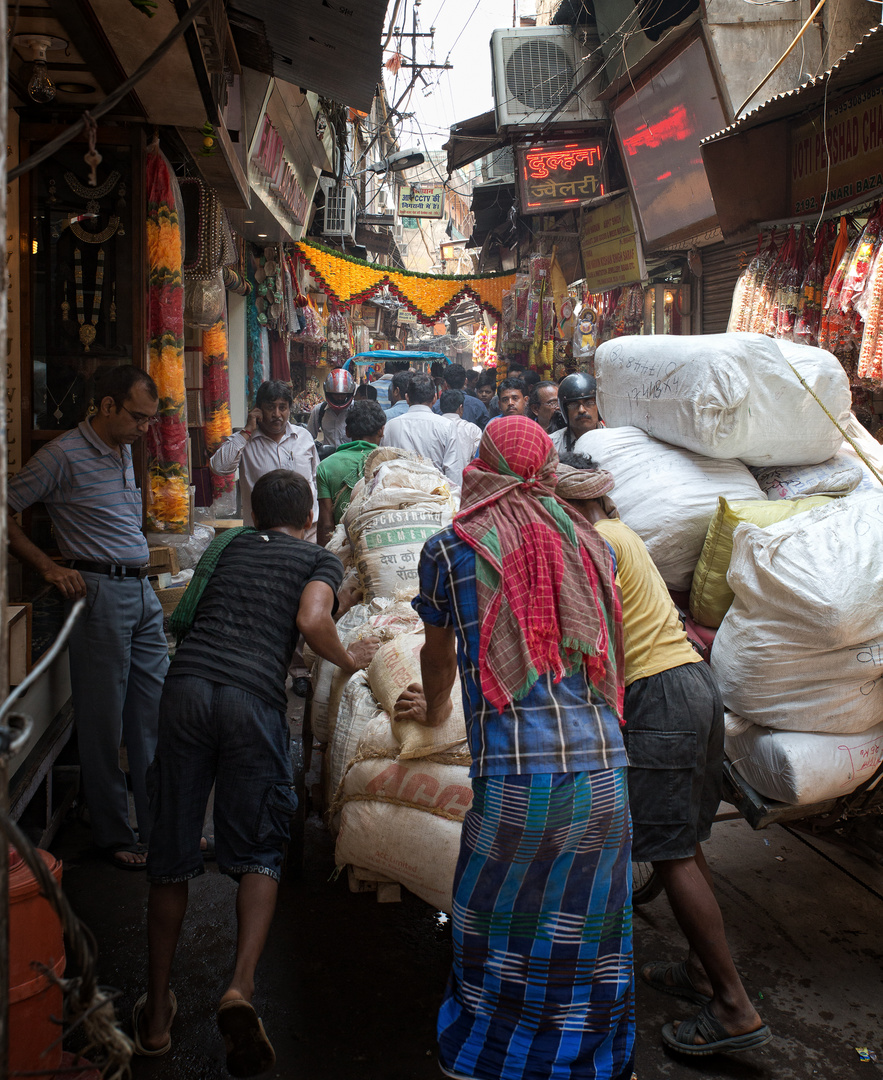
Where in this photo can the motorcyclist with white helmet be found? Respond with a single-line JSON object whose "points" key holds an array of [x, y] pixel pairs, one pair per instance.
{"points": [[327, 420]]}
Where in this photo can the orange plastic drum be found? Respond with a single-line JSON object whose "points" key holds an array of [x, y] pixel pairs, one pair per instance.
{"points": [[34, 935]]}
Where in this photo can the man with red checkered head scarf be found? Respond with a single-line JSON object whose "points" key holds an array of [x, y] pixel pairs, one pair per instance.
{"points": [[520, 609]]}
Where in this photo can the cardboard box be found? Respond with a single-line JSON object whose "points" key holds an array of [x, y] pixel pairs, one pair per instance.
{"points": [[163, 560]]}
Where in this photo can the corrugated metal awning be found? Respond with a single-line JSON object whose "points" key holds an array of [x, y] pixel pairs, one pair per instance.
{"points": [[333, 49], [857, 67], [472, 139]]}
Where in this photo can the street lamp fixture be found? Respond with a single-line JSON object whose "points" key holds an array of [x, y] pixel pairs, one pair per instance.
{"points": [[402, 159]]}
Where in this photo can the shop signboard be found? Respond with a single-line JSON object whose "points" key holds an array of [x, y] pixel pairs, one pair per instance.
{"points": [[406, 317], [276, 175], [422, 200], [838, 156], [559, 175], [611, 250]]}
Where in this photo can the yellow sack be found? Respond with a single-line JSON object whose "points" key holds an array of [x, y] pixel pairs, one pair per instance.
{"points": [[710, 595]]}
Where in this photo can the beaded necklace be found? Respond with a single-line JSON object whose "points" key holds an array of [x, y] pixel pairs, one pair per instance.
{"points": [[88, 330]]}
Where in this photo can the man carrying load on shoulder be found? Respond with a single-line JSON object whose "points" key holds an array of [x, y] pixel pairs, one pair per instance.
{"points": [[674, 734], [338, 474], [222, 722], [542, 983]]}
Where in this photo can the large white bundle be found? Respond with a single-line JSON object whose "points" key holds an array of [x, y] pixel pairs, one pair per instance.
{"points": [[801, 648], [869, 447], [837, 476], [801, 767], [725, 395], [668, 495], [362, 728], [410, 846]]}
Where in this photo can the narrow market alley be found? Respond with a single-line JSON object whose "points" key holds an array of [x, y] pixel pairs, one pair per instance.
{"points": [[348, 988]]}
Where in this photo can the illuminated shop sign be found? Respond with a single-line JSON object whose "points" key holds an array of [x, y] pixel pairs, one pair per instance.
{"points": [[268, 161], [559, 175]]}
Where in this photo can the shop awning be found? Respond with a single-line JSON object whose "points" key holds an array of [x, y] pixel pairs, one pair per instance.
{"points": [[757, 145], [333, 49], [472, 139]]}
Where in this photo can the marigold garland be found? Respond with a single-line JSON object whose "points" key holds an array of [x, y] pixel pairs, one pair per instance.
{"points": [[168, 508], [429, 296], [216, 396]]}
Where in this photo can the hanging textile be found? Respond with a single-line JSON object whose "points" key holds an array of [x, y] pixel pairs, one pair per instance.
{"points": [[254, 375], [347, 280], [216, 397], [168, 501]]}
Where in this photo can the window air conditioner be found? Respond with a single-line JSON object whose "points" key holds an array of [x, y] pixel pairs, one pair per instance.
{"points": [[398, 231], [534, 70], [340, 211], [500, 165]]}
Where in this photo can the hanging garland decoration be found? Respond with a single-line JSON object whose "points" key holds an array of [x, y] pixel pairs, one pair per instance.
{"points": [[216, 397], [168, 504], [254, 368], [348, 280]]}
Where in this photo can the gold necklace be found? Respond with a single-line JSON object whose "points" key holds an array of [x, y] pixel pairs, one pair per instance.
{"points": [[95, 238], [88, 330], [85, 192]]}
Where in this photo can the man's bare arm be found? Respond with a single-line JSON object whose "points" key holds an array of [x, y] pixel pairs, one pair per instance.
{"points": [[430, 704], [68, 582], [315, 622]]}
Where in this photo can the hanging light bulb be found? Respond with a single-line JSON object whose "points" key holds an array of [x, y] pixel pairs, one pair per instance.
{"points": [[40, 87]]}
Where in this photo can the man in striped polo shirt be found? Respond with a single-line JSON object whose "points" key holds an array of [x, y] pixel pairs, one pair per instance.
{"points": [[118, 652]]}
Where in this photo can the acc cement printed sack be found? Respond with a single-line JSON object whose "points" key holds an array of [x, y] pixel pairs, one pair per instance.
{"points": [[725, 395], [801, 648], [668, 495], [420, 785], [410, 846], [800, 767], [395, 666]]}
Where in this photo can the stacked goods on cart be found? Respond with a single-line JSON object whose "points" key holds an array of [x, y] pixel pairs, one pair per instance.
{"points": [[801, 650], [731, 401], [396, 792]]}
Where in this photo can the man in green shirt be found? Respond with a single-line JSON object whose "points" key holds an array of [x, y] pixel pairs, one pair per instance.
{"points": [[338, 474]]}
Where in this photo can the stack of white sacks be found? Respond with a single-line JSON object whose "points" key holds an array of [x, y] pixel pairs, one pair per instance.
{"points": [[396, 792], [706, 435]]}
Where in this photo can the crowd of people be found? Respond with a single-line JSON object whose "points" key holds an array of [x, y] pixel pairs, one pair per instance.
{"points": [[595, 731]]}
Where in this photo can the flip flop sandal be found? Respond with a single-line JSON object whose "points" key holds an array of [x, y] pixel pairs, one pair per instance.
{"points": [[110, 855], [717, 1039], [680, 984], [137, 1013], [249, 1051]]}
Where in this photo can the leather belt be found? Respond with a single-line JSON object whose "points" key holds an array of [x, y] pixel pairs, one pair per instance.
{"points": [[109, 569]]}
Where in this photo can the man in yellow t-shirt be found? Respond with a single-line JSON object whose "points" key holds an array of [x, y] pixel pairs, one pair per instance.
{"points": [[674, 738]]}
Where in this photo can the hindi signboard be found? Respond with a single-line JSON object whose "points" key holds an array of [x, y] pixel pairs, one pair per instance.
{"points": [[422, 200], [610, 246], [840, 160], [559, 175]]}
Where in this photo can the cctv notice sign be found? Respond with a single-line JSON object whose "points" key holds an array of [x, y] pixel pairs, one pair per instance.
{"points": [[610, 246], [422, 200]]}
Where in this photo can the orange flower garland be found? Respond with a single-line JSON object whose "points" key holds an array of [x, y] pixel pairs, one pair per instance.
{"points": [[216, 396]]}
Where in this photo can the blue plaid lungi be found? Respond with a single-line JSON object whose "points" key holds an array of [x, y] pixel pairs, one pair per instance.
{"points": [[542, 986]]}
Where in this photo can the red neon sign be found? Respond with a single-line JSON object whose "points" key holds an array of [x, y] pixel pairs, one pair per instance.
{"points": [[558, 175]]}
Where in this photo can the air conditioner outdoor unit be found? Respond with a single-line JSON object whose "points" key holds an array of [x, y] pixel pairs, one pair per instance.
{"points": [[398, 231], [535, 69], [500, 165], [340, 211]]}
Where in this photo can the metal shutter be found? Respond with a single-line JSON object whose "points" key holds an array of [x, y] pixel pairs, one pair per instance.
{"points": [[721, 266]]}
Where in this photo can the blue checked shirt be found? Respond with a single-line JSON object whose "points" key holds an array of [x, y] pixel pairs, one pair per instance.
{"points": [[557, 727]]}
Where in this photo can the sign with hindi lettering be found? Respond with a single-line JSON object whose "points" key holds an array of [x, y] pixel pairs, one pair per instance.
{"points": [[610, 246], [422, 200], [559, 175]]}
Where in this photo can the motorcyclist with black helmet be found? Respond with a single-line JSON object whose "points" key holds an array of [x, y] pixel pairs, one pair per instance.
{"points": [[576, 399]]}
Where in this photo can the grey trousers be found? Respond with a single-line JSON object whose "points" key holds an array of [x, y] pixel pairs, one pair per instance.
{"points": [[118, 661]]}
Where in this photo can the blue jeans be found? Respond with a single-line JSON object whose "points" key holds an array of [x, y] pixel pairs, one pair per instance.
{"points": [[118, 660], [210, 733]]}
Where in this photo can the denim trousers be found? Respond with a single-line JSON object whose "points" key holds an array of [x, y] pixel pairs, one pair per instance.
{"points": [[118, 661]]}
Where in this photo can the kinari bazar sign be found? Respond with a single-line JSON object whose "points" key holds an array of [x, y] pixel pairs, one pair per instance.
{"points": [[840, 159], [559, 175], [422, 200]]}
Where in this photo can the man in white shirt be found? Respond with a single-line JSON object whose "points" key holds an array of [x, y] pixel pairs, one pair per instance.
{"points": [[398, 390], [267, 442], [468, 435], [421, 430]]}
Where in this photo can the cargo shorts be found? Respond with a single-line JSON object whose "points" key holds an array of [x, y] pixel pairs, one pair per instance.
{"points": [[674, 737], [210, 733]]}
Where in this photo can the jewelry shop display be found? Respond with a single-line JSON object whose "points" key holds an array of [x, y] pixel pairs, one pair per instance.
{"points": [[59, 413], [88, 330]]}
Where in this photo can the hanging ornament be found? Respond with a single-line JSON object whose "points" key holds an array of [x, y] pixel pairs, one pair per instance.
{"points": [[88, 330], [204, 302]]}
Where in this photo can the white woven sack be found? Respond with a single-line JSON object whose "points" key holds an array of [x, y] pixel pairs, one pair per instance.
{"points": [[668, 495], [871, 449], [837, 476], [800, 767], [323, 672], [420, 785], [409, 846], [801, 648], [362, 727], [725, 395]]}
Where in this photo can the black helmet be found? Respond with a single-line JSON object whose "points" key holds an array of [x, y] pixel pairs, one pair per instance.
{"points": [[574, 388]]}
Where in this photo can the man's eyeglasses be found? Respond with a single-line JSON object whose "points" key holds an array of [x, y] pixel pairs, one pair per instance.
{"points": [[140, 418]]}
